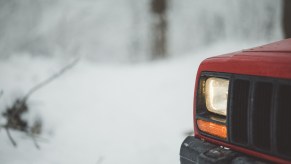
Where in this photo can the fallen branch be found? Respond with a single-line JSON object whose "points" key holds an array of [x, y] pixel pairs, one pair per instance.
{"points": [[33, 137], [51, 78], [10, 137], [13, 114]]}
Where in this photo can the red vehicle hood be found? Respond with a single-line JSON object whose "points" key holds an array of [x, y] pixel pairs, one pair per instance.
{"points": [[271, 60]]}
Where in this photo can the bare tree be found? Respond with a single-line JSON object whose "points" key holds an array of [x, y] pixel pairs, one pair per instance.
{"points": [[287, 19], [159, 28]]}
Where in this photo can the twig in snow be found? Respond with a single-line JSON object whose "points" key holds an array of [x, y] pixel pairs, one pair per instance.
{"points": [[51, 78], [13, 114], [10, 137], [34, 140]]}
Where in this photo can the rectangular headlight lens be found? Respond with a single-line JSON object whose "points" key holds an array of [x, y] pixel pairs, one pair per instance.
{"points": [[216, 93]]}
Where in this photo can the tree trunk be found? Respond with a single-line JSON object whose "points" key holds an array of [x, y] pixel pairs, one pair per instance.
{"points": [[287, 19], [159, 29]]}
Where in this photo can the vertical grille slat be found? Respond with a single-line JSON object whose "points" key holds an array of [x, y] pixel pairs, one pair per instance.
{"points": [[261, 115], [239, 105], [283, 120]]}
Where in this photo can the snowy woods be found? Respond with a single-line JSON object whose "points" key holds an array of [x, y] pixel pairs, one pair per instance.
{"points": [[128, 99], [129, 30]]}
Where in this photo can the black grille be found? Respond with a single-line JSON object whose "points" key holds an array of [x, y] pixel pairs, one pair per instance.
{"points": [[260, 114]]}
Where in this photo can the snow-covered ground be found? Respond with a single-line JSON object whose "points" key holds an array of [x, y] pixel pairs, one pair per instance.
{"points": [[105, 114], [101, 111]]}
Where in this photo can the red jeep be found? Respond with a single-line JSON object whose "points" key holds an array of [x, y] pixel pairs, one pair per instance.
{"points": [[242, 108]]}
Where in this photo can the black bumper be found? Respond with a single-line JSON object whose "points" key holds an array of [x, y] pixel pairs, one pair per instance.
{"points": [[194, 151]]}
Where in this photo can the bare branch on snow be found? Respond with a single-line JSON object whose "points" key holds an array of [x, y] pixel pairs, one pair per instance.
{"points": [[13, 114]]}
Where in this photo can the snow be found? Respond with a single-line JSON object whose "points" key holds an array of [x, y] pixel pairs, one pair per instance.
{"points": [[104, 113]]}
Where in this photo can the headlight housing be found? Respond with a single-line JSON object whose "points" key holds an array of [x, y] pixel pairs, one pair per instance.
{"points": [[216, 94], [211, 104]]}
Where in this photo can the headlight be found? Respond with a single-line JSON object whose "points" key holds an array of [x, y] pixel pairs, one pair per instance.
{"points": [[216, 93]]}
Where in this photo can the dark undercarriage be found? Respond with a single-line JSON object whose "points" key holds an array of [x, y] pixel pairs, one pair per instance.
{"points": [[194, 151]]}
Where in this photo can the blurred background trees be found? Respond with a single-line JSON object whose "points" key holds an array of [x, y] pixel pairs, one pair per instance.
{"points": [[126, 30]]}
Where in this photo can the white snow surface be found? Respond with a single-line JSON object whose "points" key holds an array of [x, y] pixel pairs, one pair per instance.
{"points": [[104, 113]]}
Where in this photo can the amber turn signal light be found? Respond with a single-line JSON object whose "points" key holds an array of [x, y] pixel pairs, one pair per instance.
{"points": [[212, 128]]}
